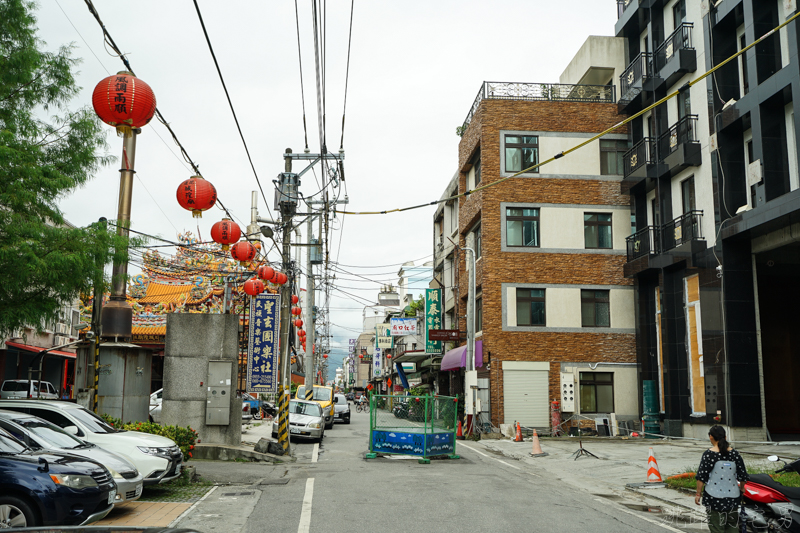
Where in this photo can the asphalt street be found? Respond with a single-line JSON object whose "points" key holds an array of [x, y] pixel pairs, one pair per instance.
{"points": [[332, 488]]}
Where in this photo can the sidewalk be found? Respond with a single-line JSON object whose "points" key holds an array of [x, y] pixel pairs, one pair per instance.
{"points": [[623, 462]]}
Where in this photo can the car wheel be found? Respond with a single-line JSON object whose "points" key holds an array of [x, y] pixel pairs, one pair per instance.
{"points": [[347, 420], [16, 513]]}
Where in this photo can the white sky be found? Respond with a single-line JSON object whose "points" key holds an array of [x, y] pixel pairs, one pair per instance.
{"points": [[415, 68]]}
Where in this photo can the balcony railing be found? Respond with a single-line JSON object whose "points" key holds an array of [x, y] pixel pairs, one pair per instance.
{"points": [[654, 240], [642, 153], [639, 69], [604, 94], [682, 132], [622, 5], [681, 39]]}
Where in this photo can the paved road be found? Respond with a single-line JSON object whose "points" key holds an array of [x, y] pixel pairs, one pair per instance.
{"points": [[332, 488]]}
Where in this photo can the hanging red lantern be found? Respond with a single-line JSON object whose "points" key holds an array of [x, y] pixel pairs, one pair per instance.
{"points": [[124, 101], [264, 272], [298, 323], [280, 278], [388, 356], [295, 298], [325, 356], [296, 311], [197, 195], [243, 251], [361, 356], [301, 333], [254, 286], [225, 232]]}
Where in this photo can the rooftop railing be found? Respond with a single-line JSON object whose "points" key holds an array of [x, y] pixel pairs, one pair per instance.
{"points": [[622, 5], [558, 92]]}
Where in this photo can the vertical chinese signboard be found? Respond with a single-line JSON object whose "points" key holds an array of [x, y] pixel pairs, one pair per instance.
{"points": [[433, 319], [377, 360], [351, 366], [262, 344]]}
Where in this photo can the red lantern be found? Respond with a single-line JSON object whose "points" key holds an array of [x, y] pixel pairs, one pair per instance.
{"points": [[196, 194], [296, 311], [254, 286], [265, 272], [225, 232], [124, 101], [388, 356], [295, 298], [243, 251], [325, 356], [301, 333], [280, 278], [298, 323], [361, 356]]}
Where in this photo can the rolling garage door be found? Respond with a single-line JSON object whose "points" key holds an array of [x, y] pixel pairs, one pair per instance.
{"points": [[525, 393]]}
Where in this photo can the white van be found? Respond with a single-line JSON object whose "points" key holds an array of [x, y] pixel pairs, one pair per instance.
{"points": [[20, 389]]}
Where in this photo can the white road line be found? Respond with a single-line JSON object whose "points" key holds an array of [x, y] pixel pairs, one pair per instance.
{"points": [[315, 453], [190, 509], [490, 457], [512, 466], [305, 515], [637, 515]]}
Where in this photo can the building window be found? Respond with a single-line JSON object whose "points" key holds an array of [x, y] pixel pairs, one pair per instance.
{"points": [[595, 309], [679, 13], [522, 152], [687, 195], [611, 156], [530, 307], [476, 236], [522, 226], [453, 207], [597, 392], [597, 230], [478, 314], [476, 168]]}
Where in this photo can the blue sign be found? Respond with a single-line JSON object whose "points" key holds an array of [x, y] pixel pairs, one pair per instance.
{"points": [[413, 443], [262, 344]]}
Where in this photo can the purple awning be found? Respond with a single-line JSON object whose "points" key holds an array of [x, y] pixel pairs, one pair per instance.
{"points": [[457, 357]]}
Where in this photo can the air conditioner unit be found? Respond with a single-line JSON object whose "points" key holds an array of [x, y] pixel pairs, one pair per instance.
{"points": [[62, 329], [58, 340]]}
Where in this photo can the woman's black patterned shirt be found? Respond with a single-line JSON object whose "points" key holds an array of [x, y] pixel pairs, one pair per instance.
{"points": [[707, 463]]}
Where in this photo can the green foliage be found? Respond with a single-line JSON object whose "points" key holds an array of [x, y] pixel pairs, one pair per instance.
{"points": [[789, 479], [44, 261], [185, 438], [414, 307]]}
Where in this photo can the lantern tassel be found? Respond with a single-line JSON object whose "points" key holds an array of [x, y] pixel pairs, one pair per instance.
{"points": [[124, 131]]}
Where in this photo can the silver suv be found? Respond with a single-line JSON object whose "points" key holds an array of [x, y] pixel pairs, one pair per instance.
{"points": [[20, 389], [341, 409]]}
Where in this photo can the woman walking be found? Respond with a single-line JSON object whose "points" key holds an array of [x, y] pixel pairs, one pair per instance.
{"points": [[721, 473]]}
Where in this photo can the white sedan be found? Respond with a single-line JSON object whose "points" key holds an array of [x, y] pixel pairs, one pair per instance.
{"points": [[305, 420]]}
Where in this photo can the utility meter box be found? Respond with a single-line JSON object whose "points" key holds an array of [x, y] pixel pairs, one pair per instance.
{"points": [[567, 392], [218, 404]]}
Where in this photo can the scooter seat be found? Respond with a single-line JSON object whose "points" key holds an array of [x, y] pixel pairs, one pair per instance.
{"points": [[793, 493]]}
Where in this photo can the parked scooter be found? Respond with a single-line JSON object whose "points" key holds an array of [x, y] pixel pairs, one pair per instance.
{"points": [[400, 409], [769, 505]]}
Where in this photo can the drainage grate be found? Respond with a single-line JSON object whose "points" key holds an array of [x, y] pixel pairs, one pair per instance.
{"points": [[248, 493]]}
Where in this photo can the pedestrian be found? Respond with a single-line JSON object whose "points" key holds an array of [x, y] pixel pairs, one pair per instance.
{"points": [[721, 473]]}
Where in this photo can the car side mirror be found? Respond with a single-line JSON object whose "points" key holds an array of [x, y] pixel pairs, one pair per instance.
{"points": [[335, 400], [72, 430]]}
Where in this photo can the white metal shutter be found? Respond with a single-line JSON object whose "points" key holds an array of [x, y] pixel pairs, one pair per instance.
{"points": [[525, 397]]}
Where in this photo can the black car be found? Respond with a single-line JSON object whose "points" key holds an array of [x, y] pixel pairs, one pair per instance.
{"points": [[350, 396], [48, 489]]}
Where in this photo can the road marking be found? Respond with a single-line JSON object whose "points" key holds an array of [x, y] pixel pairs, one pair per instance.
{"points": [[305, 515], [315, 453], [512, 466], [190, 509], [490, 457], [637, 515]]}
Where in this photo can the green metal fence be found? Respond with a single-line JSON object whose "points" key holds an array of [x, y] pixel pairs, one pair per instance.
{"points": [[423, 426]]}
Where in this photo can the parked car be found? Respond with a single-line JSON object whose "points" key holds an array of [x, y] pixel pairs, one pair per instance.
{"points": [[341, 409], [41, 435], [49, 489], [350, 396], [158, 458], [155, 406], [324, 397], [22, 388], [305, 420]]}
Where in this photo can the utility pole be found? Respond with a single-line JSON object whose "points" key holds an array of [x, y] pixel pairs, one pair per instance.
{"points": [[98, 289], [471, 375], [310, 326]]}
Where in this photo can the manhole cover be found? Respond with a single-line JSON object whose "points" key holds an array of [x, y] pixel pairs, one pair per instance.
{"points": [[282, 481], [247, 493]]}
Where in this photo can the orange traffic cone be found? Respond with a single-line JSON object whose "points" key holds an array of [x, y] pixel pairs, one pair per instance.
{"points": [[653, 475], [537, 448], [459, 434], [518, 437]]}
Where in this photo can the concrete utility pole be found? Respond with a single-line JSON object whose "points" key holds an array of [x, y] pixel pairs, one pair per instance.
{"points": [[310, 326], [471, 375]]}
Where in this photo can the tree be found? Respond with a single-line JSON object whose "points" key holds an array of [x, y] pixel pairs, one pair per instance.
{"points": [[44, 261]]}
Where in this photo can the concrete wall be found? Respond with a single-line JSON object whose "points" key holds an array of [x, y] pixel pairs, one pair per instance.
{"points": [[192, 341], [597, 52], [123, 387]]}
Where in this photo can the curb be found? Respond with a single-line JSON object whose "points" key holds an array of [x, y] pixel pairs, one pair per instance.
{"points": [[692, 510]]}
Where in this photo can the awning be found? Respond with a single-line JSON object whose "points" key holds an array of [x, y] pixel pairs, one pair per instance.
{"points": [[37, 349], [457, 357]]}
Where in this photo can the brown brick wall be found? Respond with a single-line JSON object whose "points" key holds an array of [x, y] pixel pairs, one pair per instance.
{"points": [[497, 267]]}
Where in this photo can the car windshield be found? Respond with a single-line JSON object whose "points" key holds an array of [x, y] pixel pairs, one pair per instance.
{"points": [[15, 386], [341, 399], [91, 421], [320, 394], [9, 444], [50, 433], [302, 408]]}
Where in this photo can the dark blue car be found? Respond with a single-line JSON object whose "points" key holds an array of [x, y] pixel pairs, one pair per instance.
{"points": [[48, 489]]}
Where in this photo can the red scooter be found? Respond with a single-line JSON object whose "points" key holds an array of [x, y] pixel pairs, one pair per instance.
{"points": [[770, 506]]}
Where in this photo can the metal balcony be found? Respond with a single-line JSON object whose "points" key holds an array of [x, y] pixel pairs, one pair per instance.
{"points": [[656, 240], [676, 56], [639, 76], [640, 161], [679, 147], [642, 243], [683, 229]]}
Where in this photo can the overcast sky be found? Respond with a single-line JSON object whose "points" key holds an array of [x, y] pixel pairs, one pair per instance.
{"points": [[415, 68]]}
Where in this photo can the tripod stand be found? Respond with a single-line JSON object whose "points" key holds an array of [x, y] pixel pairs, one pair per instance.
{"points": [[580, 452]]}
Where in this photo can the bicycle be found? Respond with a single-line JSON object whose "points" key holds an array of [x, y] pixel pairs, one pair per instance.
{"points": [[362, 408]]}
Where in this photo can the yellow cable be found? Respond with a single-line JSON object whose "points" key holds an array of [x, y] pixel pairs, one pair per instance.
{"points": [[584, 143]]}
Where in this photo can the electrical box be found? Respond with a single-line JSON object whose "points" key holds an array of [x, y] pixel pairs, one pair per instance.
{"points": [[218, 404], [316, 252], [286, 189], [567, 392]]}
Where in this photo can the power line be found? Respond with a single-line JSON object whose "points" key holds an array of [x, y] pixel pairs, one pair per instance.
{"points": [[347, 73], [300, 59]]}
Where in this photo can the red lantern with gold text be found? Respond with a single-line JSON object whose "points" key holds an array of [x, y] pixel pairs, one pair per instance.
{"points": [[296, 311], [264, 272], [295, 298], [280, 278], [253, 286], [243, 251], [225, 232], [197, 195], [124, 101], [298, 323], [302, 334]]}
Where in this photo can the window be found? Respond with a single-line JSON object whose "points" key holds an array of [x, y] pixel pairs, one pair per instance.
{"points": [[476, 241], [611, 156], [687, 194], [478, 314], [476, 166], [745, 82], [56, 418], [597, 230], [654, 211], [522, 152], [453, 206], [597, 392], [684, 104], [679, 12], [633, 224], [530, 307], [522, 226], [595, 309]]}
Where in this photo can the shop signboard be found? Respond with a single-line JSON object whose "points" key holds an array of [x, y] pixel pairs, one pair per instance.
{"points": [[433, 319], [403, 326], [383, 337], [262, 344]]}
